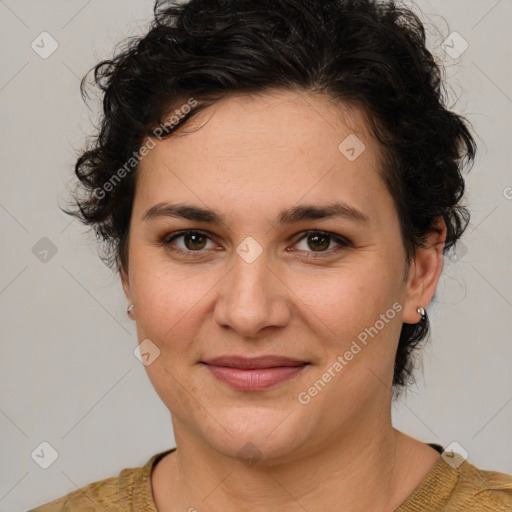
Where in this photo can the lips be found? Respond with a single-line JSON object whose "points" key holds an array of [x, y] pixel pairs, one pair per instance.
{"points": [[256, 373], [249, 363]]}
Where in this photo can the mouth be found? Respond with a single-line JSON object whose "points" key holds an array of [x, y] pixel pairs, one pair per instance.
{"points": [[253, 374]]}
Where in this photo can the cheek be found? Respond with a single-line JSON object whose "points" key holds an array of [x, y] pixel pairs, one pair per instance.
{"points": [[346, 300], [354, 315], [167, 300], [169, 314]]}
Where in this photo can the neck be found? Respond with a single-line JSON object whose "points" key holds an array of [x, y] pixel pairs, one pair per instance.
{"points": [[363, 470]]}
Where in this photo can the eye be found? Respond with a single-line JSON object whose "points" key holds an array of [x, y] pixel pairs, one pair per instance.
{"points": [[195, 243], [320, 242]]}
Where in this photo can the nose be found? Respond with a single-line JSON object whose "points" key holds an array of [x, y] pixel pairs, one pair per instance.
{"points": [[251, 297]]}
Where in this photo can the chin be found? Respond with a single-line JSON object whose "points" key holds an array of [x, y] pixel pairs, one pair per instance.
{"points": [[258, 435]]}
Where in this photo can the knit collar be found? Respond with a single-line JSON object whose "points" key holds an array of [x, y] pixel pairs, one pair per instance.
{"points": [[433, 490]]}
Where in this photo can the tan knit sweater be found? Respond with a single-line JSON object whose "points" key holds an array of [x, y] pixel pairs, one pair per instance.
{"points": [[448, 489]]}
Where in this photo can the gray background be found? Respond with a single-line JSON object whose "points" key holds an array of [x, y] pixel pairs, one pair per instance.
{"points": [[68, 373]]}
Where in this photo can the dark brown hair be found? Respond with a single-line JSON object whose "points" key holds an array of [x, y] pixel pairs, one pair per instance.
{"points": [[368, 53]]}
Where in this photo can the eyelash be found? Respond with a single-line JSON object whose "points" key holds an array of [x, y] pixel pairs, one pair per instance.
{"points": [[344, 243]]}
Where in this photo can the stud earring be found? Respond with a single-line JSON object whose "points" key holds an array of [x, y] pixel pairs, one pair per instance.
{"points": [[130, 308], [421, 312]]}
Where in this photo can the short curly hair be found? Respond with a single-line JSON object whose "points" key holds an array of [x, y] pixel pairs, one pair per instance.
{"points": [[367, 53]]}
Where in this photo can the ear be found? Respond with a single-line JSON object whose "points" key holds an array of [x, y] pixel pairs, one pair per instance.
{"points": [[125, 281], [424, 273]]}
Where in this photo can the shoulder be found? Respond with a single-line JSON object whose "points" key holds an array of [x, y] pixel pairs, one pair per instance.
{"points": [[88, 498], [113, 494], [456, 485], [479, 487]]}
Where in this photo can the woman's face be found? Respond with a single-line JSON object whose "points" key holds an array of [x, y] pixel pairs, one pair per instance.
{"points": [[247, 285]]}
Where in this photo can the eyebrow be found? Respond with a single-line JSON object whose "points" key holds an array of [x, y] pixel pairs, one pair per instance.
{"points": [[287, 216]]}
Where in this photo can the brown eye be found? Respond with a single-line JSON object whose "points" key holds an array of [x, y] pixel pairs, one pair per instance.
{"points": [[318, 241], [317, 244], [193, 241]]}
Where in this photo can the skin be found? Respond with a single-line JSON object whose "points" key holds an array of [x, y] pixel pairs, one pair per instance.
{"points": [[248, 157]]}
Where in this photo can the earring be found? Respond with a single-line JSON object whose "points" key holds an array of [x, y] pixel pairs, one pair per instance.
{"points": [[421, 312], [130, 308]]}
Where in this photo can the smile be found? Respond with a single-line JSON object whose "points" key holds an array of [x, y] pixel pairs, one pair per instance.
{"points": [[254, 375], [254, 379]]}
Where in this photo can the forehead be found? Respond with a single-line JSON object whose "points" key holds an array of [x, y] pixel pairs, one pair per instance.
{"points": [[262, 149], [276, 116]]}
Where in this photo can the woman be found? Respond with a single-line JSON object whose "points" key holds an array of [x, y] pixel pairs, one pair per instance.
{"points": [[276, 183]]}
